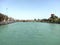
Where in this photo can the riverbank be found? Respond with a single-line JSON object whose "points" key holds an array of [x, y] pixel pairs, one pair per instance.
{"points": [[7, 22]]}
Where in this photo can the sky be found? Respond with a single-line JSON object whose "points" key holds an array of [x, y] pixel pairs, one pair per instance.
{"points": [[30, 9]]}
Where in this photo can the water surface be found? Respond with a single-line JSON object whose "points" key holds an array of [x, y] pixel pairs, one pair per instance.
{"points": [[30, 33]]}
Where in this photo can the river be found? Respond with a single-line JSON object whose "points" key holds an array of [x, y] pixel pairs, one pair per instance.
{"points": [[30, 33]]}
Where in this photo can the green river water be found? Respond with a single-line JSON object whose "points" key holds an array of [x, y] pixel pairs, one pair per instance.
{"points": [[30, 33]]}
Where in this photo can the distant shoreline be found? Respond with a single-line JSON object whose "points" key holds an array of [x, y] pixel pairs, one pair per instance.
{"points": [[8, 20]]}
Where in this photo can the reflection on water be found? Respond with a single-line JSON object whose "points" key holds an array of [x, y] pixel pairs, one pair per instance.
{"points": [[30, 33]]}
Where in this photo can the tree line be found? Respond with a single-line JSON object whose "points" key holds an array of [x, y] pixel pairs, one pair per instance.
{"points": [[52, 19]]}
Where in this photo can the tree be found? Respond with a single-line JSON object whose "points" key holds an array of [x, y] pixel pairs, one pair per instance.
{"points": [[34, 19], [53, 18], [58, 21], [3, 17]]}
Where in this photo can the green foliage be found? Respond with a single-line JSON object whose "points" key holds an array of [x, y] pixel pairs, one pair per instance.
{"points": [[53, 18], [3, 17], [58, 21], [34, 19]]}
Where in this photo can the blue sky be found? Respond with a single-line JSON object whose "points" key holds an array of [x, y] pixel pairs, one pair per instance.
{"points": [[30, 9]]}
